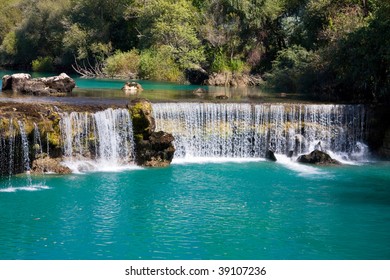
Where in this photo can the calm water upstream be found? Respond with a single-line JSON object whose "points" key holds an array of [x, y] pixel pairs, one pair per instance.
{"points": [[236, 210]]}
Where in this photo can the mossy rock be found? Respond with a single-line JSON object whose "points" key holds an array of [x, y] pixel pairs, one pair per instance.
{"points": [[141, 112]]}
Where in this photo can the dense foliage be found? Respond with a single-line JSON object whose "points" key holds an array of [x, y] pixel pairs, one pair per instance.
{"points": [[337, 50]]}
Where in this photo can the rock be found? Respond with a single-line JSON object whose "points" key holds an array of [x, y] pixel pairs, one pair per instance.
{"points": [[142, 116], [132, 88], [196, 76], [222, 97], [15, 82], [153, 149], [290, 154], [270, 155], [157, 151], [319, 158], [48, 165], [200, 92], [228, 79], [50, 86], [218, 79]]}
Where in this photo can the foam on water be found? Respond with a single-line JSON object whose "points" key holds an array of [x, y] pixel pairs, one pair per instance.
{"points": [[201, 160], [301, 169], [31, 188], [84, 166]]}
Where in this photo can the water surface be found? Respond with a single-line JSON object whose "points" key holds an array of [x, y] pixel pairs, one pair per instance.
{"points": [[226, 210]]}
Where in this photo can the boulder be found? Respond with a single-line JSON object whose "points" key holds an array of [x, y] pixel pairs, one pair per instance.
{"points": [[157, 151], [50, 86], [15, 82], [319, 158], [49, 165], [153, 149], [200, 92], [270, 155], [132, 88]]}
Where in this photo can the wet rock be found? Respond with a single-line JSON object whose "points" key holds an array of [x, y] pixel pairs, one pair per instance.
{"points": [[319, 158], [153, 149], [49, 165], [132, 88], [270, 155], [141, 112], [157, 151], [50, 86]]}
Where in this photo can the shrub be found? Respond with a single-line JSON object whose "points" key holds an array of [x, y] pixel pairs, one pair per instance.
{"points": [[237, 65], [43, 64], [158, 64], [220, 63], [290, 69], [123, 64]]}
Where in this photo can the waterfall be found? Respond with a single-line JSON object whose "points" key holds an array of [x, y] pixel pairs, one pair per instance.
{"points": [[25, 148], [37, 142], [106, 137], [248, 131]]}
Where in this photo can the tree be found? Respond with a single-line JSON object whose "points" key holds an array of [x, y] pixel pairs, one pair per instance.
{"points": [[172, 24]]}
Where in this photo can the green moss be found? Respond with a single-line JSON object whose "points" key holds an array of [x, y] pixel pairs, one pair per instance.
{"points": [[54, 139], [141, 115], [138, 137]]}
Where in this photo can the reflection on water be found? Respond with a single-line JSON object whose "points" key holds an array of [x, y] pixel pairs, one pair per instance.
{"points": [[108, 91]]}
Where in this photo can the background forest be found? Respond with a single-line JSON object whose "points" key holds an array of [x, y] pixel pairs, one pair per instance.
{"points": [[334, 50]]}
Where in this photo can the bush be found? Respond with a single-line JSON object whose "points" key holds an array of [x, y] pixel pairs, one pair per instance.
{"points": [[158, 64], [43, 64], [220, 63], [291, 67], [237, 66], [123, 64]]}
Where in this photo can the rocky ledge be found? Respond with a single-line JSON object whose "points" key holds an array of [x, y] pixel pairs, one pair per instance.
{"points": [[153, 149], [51, 86], [46, 164]]}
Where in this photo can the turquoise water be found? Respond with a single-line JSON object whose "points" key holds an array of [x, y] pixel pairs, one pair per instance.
{"points": [[247, 210], [162, 91]]}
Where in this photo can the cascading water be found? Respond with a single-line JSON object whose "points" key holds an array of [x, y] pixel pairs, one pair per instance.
{"points": [[26, 156], [248, 131], [37, 142], [105, 136]]}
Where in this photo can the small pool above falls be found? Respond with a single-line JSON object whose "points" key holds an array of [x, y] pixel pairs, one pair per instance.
{"points": [[248, 131]]}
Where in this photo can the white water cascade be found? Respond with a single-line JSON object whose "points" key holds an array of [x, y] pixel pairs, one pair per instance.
{"points": [[248, 131], [105, 137]]}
